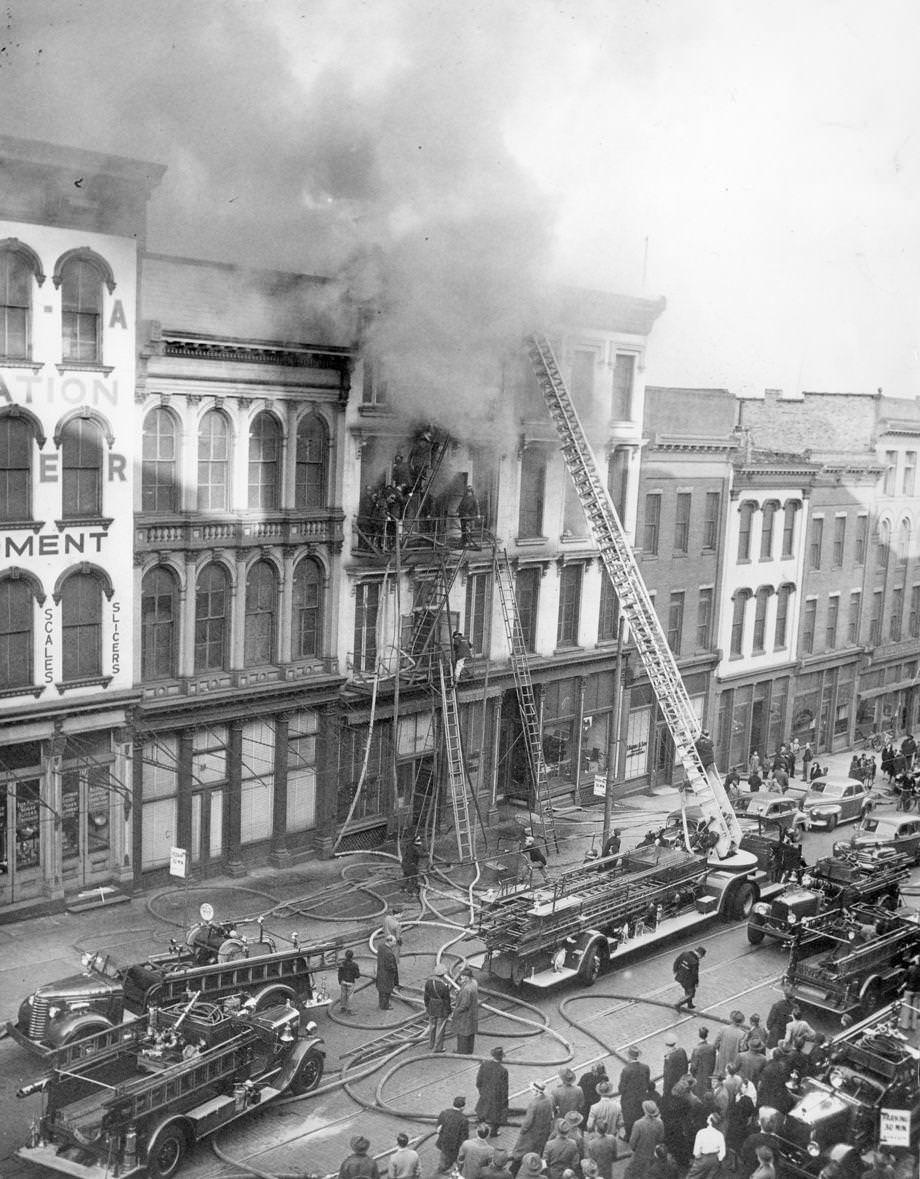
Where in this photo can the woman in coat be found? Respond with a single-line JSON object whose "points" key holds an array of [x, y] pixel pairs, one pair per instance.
{"points": [[646, 1134]]}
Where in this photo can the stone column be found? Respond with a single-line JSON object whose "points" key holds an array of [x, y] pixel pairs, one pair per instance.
{"points": [[122, 808], [235, 865], [49, 818], [280, 856]]}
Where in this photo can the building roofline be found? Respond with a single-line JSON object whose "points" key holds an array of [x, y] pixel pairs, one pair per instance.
{"points": [[63, 158], [236, 268]]}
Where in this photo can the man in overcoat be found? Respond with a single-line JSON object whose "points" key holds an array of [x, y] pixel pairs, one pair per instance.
{"points": [[535, 1128], [492, 1085], [436, 997], [453, 1129], [466, 1012], [635, 1082], [387, 971]]}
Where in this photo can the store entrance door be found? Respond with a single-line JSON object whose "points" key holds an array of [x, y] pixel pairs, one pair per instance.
{"points": [[86, 800], [20, 849], [207, 830]]}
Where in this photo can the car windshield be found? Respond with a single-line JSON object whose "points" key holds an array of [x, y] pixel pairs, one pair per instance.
{"points": [[829, 789], [871, 826]]}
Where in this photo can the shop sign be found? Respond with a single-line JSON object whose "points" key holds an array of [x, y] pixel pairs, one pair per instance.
{"points": [[178, 862]]}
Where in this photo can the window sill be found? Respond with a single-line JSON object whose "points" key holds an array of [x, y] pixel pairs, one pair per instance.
{"points": [[103, 522], [95, 681], [744, 561], [22, 526], [27, 690], [373, 410], [531, 541], [21, 362], [567, 648], [76, 366]]}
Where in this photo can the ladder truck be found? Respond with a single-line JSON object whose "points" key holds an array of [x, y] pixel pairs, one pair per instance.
{"points": [[636, 606], [135, 1099]]}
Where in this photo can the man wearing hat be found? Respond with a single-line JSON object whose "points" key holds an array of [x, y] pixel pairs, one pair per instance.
{"points": [[567, 1095], [560, 1152], [687, 973], [607, 1108], [492, 1084], [634, 1086], [676, 1064], [705, 750], [498, 1168], [535, 1129], [771, 1085], [387, 972], [410, 863], [702, 1063], [466, 1012], [728, 1042], [453, 1129], [613, 843], [475, 1153], [646, 1134], [589, 1081], [530, 1165], [359, 1164], [436, 997]]}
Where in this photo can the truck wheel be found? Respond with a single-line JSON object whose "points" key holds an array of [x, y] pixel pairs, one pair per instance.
{"points": [[740, 902], [89, 1028], [755, 935], [872, 997], [518, 973], [309, 1072], [166, 1151], [590, 969]]}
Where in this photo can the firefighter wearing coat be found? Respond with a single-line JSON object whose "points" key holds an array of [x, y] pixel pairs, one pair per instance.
{"points": [[687, 973]]}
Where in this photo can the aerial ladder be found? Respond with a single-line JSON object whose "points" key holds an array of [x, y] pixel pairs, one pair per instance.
{"points": [[523, 683], [635, 603], [456, 770]]}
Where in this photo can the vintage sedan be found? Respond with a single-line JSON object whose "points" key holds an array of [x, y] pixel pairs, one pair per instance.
{"points": [[783, 810], [836, 800], [888, 833]]}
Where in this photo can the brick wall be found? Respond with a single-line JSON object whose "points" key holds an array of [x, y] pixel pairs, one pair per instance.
{"points": [[820, 422]]}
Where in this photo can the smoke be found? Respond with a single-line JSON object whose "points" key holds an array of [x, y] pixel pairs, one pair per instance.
{"points": [[366, 142]]}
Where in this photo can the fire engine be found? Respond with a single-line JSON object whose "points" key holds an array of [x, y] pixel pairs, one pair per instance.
{"points": [[136, 1098], [214, 959]]}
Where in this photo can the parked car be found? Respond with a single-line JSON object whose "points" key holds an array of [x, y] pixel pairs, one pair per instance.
{"points": [[887, 833], [836, 800], [782, 809]]}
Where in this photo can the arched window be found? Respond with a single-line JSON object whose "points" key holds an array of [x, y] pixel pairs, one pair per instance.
{"points": [[781, 629], [739, 603], [81, 627], [213, 462], [15, 306], [159, 468], [312, 463], [745, 517], [81, 307], [766, 529], [212, 619], [159, 624], [264, 463], [904, 541], [15, 470], [882, 545], [306, 633], [790, 507], [16, 644], [761, 598], [261, 608], [81, 469]]}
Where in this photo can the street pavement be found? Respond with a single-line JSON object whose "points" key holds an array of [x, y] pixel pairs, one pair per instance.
{"points": [[633, 1004]]}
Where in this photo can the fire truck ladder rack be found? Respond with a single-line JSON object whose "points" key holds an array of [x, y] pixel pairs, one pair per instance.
{"points": [[523, 683], [878, 951], [620, 563], [569, 912], [456, 771]]}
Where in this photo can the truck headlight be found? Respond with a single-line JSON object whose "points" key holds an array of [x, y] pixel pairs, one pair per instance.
{"points": [[792, 918], [559, 960], [762, 909]]}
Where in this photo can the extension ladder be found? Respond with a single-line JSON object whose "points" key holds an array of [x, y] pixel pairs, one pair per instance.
{"points": [[456, 771], [620, 563], [523, 683], [427, 610]]}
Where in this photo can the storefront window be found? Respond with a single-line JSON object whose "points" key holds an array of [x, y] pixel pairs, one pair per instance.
{"points": [[844, 702], [301, 771], [805, 709], [158, 812], [637, 735], [257, 802], [372, 800], [597, 717], [559, 705], [28, 814], [741, 719]]}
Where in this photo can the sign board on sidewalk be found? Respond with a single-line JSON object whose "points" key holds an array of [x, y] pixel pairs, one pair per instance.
{"points": [[600, 785], [894, 1127], [178, 861]]}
